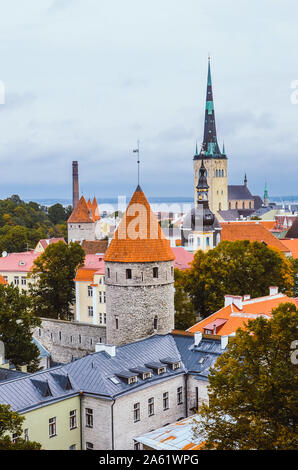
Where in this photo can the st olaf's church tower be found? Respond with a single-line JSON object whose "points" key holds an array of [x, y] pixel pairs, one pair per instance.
{"points": [[216, 162]]}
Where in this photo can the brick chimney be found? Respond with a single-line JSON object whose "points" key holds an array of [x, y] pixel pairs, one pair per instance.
{"points": [[75, 183]]}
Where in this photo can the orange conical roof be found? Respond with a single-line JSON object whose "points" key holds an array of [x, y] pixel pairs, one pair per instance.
{"points": [[139, 237], [2, 281], [81, 212], [95, 210]]}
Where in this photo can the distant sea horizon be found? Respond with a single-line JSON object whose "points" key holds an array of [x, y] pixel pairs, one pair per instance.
{"points": [[153, 200]]}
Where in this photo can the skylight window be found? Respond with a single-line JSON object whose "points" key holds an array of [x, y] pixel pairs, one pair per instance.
{"points": [[114, 380]]}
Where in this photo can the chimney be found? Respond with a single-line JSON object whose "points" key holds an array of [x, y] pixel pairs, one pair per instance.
{"points": [[198, 338], [246, 297], [273, 290], [75, 183], [233, 299], [224, 340], [110, 349]]}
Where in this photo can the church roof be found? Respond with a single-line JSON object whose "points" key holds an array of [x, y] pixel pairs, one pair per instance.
{"points": [[139, 237], [239, 192], [81, 213]]}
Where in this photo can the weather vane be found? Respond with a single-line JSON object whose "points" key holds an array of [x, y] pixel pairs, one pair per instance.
{"points": [[137, 150]]}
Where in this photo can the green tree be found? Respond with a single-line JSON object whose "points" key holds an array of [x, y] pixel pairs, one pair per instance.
{"points": [[295, 276], [57, 214], [237, 268], [53, 289], [16, 324], [11, 423], [253, 388], [185, 316]]}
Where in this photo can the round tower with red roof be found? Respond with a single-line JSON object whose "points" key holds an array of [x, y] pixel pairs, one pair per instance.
{"points": [[139, 276]]}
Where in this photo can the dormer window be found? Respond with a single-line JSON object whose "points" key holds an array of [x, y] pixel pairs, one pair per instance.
{"points": [[172, 363], [158, 367], [146, 375], [161, 370], [132, 380], [176, 365]]}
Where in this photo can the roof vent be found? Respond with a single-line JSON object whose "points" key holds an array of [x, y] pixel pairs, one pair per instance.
{"points": [[224, 340]]}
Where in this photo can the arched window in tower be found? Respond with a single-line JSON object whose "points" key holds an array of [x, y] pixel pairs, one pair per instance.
{"points": [[155, 323], [222, 173], [250, 205], [109, 272], [230, 205], [236, 205], [216, 173], [243, 205], [190, 240], [128, 274], [155, 272]]}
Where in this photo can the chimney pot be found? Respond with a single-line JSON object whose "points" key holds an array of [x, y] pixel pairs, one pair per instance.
{"points": [[198, 338], [224, 340], [273, 290], [110, 349]]}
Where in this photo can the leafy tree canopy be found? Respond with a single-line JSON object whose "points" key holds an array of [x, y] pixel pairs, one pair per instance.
{"points": [[53, 289], [16, 324], [185, 316], [253, 388], [11, 423], [238, 268]]}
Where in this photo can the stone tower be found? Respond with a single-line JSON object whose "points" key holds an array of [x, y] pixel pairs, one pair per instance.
{"points": [[266, 196], [139, 276], [83, 222], [216, 162], [201, 230]]}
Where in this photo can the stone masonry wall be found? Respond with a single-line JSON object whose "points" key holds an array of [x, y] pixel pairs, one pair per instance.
{"points": [[65, 340], [133, 304]]}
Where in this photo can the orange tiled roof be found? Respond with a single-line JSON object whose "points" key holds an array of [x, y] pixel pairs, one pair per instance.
{"points": [[2, 280], [237, 318], [81, 213], [84, 274], [233, 231], [95, 211], [292, 245], [139, 237], [91, 247]]}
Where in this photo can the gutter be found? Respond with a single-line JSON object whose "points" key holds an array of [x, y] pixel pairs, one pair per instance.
{"points": [[81, 422], [112, 417], [186, 394]]}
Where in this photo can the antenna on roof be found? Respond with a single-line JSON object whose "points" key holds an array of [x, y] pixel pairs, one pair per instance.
{"points": [[137, 150]]}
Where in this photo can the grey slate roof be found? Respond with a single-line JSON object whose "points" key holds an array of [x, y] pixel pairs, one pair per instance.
{"points": [[8, 374], [236, 192], [93, 374]]}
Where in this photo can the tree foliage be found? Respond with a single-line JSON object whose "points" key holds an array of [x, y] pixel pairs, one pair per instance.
{"points": [[185, 316], [238, 268], [253, 399], [11, 423], [53, 290], [23, 224], [16, 324]]}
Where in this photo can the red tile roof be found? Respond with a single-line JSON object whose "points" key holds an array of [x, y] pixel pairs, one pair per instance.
{"points": [[236, 318], [292, 245], [95, 246], [233, 231], [82, 213], [139, 237], [183, 258], [18, 262], [45, 242]]}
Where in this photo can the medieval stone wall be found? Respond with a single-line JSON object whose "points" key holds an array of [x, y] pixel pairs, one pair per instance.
{"points": [[66, 340]]}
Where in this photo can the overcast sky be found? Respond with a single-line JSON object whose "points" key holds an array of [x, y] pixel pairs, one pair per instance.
{"points": [[85, 79]]}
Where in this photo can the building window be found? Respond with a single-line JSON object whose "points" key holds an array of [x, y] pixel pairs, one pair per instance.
{"points": [[90, 291], [52, 427], [89, 418], [250, 205], [72, 419], [23, 281], [198, 241], [208, 241], [172, 271], [104, 318], [166, 401], [128, 274], [236, 205], [26, 435], [136, 412], [155, 272], [80, 338], [151, 407], [100, 317], [60, 335], [89, 446], [16, 280], [137, 445], [190, 240], [230, 206], [109, 273], [90, 311], [155, 323], [243, 205], [100, 297], [179, 396], [116, 323], [104, 297]]}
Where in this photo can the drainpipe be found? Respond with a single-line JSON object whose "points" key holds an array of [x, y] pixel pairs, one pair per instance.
{"points": [[81, 422], [185, 394], [112, 417]]}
